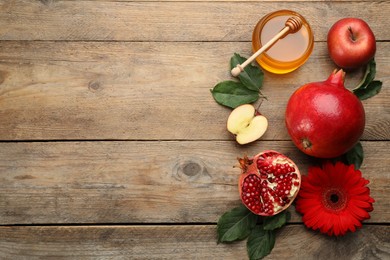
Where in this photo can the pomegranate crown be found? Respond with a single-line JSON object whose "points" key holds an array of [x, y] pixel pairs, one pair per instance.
{"points": [[337, 78], [246, 163]]}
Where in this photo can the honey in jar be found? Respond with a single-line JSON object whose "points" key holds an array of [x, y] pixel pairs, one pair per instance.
{"points": [[289, 52]]}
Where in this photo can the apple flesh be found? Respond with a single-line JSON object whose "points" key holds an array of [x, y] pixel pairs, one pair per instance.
{"points": [[351, 43], [246, 124]]}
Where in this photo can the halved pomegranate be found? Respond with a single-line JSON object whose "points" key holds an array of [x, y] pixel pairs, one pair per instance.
{"points": [[269, 182]]}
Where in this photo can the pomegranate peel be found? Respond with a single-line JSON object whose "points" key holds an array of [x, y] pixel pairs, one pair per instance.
{"points": [[269, 182], [324, 119]]}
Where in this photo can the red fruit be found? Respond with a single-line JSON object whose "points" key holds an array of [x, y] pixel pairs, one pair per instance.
{"points": [[269, 183], [351, 43], [324, 119]]}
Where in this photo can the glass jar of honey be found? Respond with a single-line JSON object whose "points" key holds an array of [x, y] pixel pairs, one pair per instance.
{"points": [[289, 52]]}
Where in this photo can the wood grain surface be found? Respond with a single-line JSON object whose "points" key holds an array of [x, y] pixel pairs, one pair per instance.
{"points": [[128, 182], [164, 21], [77, 90], [112, 147], [181, 242]]}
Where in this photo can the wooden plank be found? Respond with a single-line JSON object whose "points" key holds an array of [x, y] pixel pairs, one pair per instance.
{"points": [[48, 2], [163, 21], [137, 182], [182, 242], [90, 90]]}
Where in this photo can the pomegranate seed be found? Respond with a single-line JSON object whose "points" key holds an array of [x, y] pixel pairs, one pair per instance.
{"points": [[268, 185]]}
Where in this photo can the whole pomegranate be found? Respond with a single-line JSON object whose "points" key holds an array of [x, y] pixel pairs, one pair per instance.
{"points": [[324, 119], [269, 182]]}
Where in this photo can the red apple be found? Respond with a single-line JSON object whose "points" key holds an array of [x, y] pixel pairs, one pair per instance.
{"points": [[351, 43]]}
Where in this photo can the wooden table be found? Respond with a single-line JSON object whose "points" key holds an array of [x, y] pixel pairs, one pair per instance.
{"points": [[112, 146]]}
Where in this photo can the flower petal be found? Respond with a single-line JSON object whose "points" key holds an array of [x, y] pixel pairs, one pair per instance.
{"points": [[336, 226], [345, 223], [357, 212], [363, 204], [357, 191], [353, 178], [353, 221], [310, 222], [328, 221], [317, 177], [306, 205]]}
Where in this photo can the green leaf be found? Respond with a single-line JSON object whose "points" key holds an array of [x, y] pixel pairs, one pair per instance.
{"points": [[251, 77], [236, 224], [276, 221], [369, 74], [232, 94], [368, 87], [355, 156], [371, 90], [260, 242]]}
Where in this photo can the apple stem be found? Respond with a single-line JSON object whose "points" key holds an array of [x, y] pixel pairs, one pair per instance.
{"points": [[353, 38], [262, 96], [258, 107]]}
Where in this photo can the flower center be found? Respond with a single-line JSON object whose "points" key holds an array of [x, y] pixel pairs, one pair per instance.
{"points": [[334, 199]]}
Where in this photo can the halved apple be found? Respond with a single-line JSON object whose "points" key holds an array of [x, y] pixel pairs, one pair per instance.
{"points": [[246, 124]]}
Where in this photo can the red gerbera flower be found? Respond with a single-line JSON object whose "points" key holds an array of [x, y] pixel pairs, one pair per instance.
{"points": [[334, 199]]}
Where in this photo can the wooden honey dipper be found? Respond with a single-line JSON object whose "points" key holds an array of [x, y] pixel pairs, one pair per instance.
{"points": [[292, 25]]}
